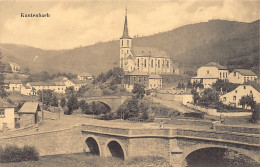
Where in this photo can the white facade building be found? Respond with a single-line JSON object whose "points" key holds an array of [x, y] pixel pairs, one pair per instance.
{"points": [[233, 97], [7, 117], [240, 76], [210, 73]]}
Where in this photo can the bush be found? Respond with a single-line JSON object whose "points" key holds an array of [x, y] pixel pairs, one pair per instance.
{"points": [[194, 115], [13, 153]]}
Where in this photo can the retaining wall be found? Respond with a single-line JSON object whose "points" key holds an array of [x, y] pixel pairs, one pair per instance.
{"points": [[214, 112], [64, 141]]}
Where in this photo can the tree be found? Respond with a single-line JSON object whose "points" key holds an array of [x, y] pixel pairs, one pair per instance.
{"points": [[256, 114], [209, 96], [224, 85], [82, 104], [45, 96], [63, 102], [247, 101], [72, 104], [138, 90], [3, 92], [196, 96], [69, 91], [54, 101]]}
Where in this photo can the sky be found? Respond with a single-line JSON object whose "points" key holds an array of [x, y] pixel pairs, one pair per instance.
{"points": [[78, 23]]}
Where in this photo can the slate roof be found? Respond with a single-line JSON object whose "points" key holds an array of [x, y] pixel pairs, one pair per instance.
{"points": [[85, 74], [125, 32], [154, 76], [77, 81], [29, 108], [5, 104], [149, 52], [136, 72], [245, 72], [13, 81], [214, 64]]}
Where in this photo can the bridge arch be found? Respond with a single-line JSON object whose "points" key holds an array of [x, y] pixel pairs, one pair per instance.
{"points": [[92, 145], [189, 150], [114, 148]]}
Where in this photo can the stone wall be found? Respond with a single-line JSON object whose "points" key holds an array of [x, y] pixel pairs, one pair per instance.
{"points": [[150, 147], [214, 112], [233, 128], [64, 141], [184, 121]]}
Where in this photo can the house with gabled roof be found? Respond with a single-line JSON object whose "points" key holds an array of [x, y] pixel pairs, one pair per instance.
{"points": [[14, 67], [233, 97], [85, 76], [29, 113], [149, 81], [240, 76], [209, 73], [13, 85]]}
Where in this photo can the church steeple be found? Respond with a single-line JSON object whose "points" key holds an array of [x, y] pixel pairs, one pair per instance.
{"points": [[125, 32]]}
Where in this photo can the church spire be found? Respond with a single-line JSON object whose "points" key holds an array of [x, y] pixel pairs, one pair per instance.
{"points": [[125, 32]]}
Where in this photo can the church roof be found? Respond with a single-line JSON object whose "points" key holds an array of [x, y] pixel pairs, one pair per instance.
{"points": [[149, 52], [214, 64], [245, 72], [125, 32]]}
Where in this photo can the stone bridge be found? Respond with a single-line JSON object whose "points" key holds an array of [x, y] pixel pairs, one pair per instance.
{"points": [[175, 145], [111, 102]]}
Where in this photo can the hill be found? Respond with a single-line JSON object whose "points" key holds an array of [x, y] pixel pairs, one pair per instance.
{"points": [[234, 44]]}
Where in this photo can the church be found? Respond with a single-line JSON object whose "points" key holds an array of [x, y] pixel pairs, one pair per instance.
{"points": [[144, 59], [142, 65]]}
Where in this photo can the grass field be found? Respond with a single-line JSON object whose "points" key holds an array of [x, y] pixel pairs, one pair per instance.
{"points": [[84, 160]]}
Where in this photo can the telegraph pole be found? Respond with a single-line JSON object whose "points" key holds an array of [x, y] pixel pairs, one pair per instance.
{"points": [[42, 107]]}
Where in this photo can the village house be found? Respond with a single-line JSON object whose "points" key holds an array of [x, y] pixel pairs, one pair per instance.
{"points": [[85, 76], [149, 81], [76, 83], [29, 114], [155, 81], [135, 77], [14, 67], [233, 97], [145, 59], [240, 76], [13, 85], [26, 90], [7, 116], [58, 87], [209, 74]]}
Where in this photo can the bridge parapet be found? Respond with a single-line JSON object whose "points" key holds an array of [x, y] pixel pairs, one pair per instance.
{"points": [[219, 136], [234, 137]]}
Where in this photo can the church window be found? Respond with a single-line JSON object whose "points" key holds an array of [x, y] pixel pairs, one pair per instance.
{"points": [[139, 79], [152, 63], [137, 62], [144, 62], [163, 63], [122, 42], [234, 98], [127, 43], [167, 64], [158, 63], [122, 52], [134, 79]]}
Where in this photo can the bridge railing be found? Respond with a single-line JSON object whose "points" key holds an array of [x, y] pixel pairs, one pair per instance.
{"points": [[105, 130], [217, 135], [222, 136]]}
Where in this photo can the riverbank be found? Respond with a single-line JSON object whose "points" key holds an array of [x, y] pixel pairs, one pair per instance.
{"points": [[86, 160]]}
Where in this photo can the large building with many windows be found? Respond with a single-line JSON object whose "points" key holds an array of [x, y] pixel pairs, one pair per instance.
{"points": [[144, 59]]}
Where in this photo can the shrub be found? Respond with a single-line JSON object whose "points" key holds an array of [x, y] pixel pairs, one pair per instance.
{"points": [[30, 154], [194, 115], [12, 153]]}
